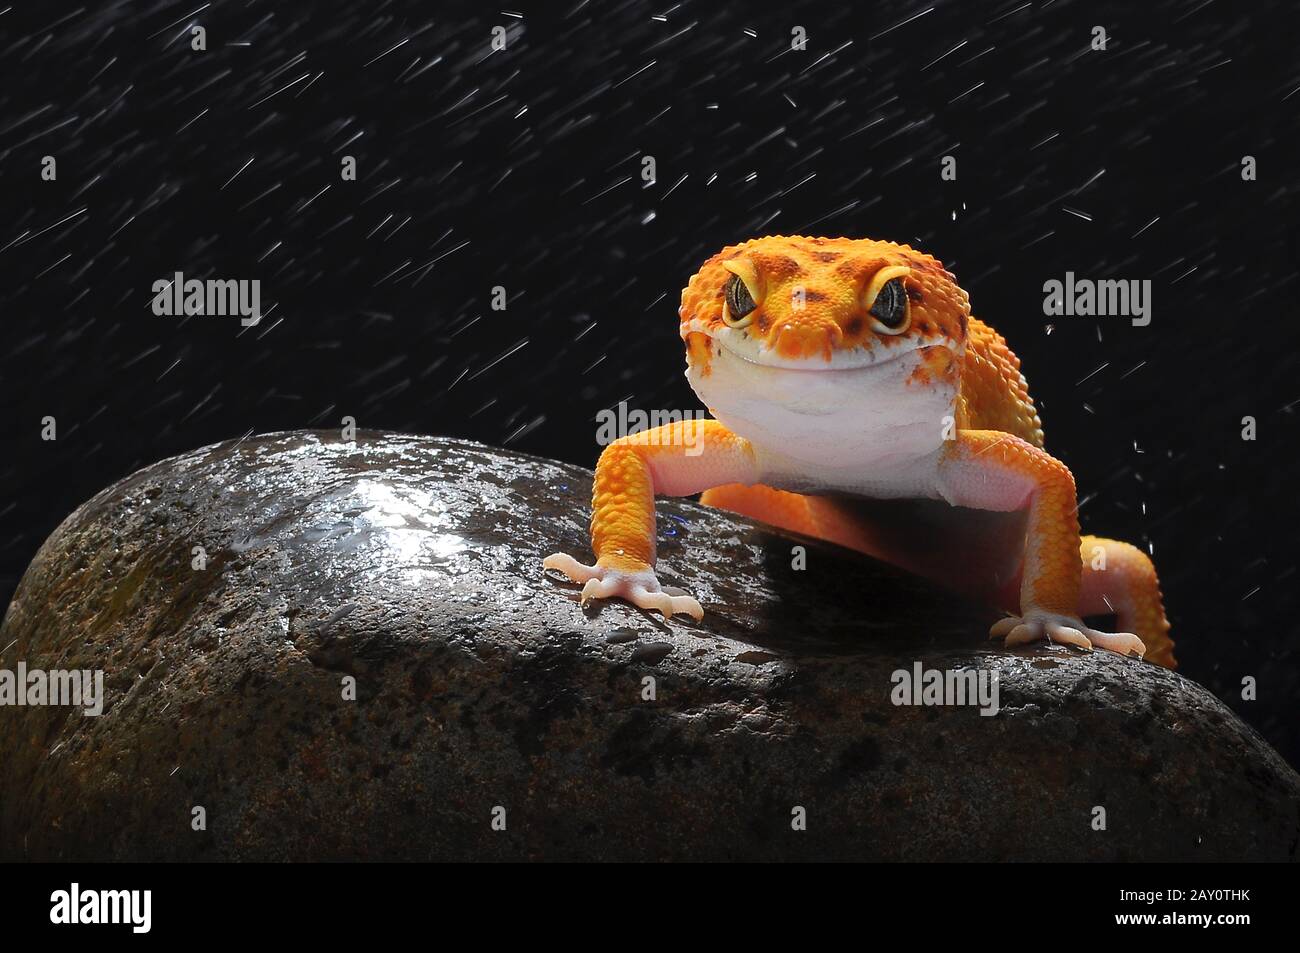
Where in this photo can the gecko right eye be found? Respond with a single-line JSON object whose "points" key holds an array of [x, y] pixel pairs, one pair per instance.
{"points": [[886, 300], [737, 303]]}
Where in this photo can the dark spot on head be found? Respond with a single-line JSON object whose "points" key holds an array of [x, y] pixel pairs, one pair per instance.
{"points": [[776, 266], [854, 327], [761, 323], [826, 256], [814, 296], [914, 294], [851, 269]]}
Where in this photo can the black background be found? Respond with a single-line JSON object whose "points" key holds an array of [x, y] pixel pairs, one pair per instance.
{"points": [[522, 169]]}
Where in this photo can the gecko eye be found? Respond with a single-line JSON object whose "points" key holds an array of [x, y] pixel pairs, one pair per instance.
{"points": [[737, 303], [886, 301], [890, 307]]}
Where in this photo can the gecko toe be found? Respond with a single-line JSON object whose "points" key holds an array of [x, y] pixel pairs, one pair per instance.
{"points": [[637, 586], [597, 588], [1068, 635], [643, 598], [576, 571], [1001, 628], [688, 605], [1125, 643], [1064, 630], [1024, 633], [1036, 625]]}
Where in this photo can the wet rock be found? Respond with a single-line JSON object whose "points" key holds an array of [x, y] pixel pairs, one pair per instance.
{"points": [[371, 664]]}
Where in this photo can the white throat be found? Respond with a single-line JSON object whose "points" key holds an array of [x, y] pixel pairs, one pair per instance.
{"points": [[830, 429]]}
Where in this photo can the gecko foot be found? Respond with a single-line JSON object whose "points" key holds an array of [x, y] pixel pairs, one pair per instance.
{"points": [[1065, 630], [638, 586]]}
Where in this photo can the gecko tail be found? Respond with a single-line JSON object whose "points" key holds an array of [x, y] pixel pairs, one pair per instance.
{"points": [[1119, 579]]}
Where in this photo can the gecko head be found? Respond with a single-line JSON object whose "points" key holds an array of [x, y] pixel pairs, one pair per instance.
{"points": [[823, 303], [781, 329]]}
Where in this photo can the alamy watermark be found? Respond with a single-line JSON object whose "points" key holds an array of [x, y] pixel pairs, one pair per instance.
{"points": [[78, 688], [657, 426], [75, 905], [212, 297], [1085, 297], [932, 686]]}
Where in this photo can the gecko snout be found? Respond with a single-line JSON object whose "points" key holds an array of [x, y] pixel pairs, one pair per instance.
{"points": [[800, 339]]}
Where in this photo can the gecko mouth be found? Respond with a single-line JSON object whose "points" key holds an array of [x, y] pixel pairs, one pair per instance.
{"points": [[842, 409], [747, 349]]}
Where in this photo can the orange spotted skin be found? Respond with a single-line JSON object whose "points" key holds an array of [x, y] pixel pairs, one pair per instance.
{"points": [[994, 394], [622, 513], [621, 535], [1119, 579], [984, 508]]}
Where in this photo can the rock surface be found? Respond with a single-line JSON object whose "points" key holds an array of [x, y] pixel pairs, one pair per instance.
{"points": [[412, 565]]}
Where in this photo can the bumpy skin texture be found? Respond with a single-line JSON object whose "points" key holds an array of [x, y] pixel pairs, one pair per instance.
{"points": [[834, 409], [1126, 587], [831, 272], [994, 394], [677, 460]]}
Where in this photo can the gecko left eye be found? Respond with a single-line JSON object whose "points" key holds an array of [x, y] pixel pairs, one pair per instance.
{"points": [[737, 303], [886, 301], [890, 307]]}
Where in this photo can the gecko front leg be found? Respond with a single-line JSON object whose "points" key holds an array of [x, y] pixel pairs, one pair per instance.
{"points": [[673, 460], [992, 470]]}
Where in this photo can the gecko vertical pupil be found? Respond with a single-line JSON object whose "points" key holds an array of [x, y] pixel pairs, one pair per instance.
{"points": [[739, 300], [890, 306]]}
